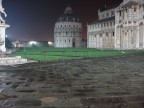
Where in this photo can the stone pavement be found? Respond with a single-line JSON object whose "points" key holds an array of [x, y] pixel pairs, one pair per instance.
{"points": [[110, 82]]}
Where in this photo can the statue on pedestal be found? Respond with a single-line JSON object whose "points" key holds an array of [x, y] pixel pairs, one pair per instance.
{"points": [[2, 12], [3, 27]]}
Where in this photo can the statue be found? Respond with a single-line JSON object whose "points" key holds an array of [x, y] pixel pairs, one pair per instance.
{"points": [[2, 12]]}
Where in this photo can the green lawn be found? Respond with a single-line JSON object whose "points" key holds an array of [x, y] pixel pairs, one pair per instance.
{"points": [[48, 54]]}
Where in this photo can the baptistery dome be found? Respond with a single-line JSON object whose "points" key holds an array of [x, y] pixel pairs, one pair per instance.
{"points": [[68, 16], [68, 30]]}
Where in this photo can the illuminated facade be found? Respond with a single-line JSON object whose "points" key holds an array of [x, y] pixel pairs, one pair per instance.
{"points": [[68, 30], [119, 27]]}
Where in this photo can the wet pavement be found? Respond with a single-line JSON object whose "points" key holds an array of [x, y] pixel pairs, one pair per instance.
{"points": [[110, 82]]}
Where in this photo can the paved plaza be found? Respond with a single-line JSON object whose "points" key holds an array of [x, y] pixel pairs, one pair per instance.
{"points": [[110, 82]]}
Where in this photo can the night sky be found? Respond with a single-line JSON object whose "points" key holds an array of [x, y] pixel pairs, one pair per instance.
{"points": [[35, 19]]}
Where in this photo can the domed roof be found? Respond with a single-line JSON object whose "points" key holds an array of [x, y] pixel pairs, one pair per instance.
{"points": [[68, 10], [68, 16]]}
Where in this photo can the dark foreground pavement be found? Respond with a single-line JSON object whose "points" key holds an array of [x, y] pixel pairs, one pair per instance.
{"points": [[112, 82]]}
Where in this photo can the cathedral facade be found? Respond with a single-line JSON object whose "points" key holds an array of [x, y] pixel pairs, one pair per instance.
{"points": [[118, 27], [68, 30]]}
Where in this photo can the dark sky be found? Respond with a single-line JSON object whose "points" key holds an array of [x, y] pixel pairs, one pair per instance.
{"points": [[35, 19]]}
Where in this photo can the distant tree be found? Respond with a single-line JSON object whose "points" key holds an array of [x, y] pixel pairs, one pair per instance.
{"points": [[8, 44]]}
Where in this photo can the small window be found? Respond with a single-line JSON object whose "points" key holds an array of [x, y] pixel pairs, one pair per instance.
{"points": [[113, 33]]}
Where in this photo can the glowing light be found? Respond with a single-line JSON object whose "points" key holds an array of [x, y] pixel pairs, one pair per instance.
{"points": [[32, 42], [50, 43]]}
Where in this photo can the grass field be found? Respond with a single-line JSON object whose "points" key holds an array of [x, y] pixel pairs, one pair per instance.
{"points": [[50, 54]]}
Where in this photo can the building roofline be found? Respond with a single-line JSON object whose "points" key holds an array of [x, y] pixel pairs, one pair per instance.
{"points": [[103, 20], [109, 7]]}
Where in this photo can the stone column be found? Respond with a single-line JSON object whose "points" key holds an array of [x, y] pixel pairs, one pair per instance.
{"points": [[126, 39], [132, 38], [96, 40], [137, 38], [99, 41], [117, 38], [110, 40], [104, 36], [143, 36], [121, 38], [129, 39]]}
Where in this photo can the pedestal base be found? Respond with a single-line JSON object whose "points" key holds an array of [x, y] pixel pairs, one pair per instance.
{"points": [[2, 37], [2, 48]]}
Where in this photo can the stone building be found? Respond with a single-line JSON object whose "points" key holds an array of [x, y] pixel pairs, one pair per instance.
{"points": [[68, 30], [118, 27]]}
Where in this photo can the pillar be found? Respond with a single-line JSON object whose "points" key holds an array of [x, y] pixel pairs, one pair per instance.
{"points": [[137, 38], [129, 39]]}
